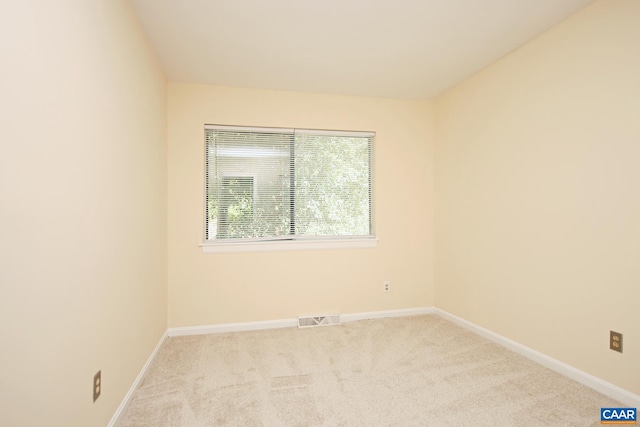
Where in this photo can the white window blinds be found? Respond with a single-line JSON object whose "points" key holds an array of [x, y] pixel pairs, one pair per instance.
{"points": [[270, 184]]}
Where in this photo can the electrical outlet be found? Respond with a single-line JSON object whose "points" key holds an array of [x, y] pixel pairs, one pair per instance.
{"points": [[97, 385], [386, 286], [615, 341]]}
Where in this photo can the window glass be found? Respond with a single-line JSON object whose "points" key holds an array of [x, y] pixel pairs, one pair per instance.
{"points": [[285, 184]]}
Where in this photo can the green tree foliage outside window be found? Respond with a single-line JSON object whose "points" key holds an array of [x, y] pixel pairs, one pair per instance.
{"points": [[235, 215], [332, 186]]}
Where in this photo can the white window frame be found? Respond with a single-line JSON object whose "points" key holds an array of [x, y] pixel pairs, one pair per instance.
{"points": [[295, 243]]}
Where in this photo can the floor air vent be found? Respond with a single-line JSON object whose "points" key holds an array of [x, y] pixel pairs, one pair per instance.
{"points": [[324, 320]]}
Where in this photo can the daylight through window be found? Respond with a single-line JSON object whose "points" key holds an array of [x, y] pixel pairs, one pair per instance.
{"points": [[287, 184]]}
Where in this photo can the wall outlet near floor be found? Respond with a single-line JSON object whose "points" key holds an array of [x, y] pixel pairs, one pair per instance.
{"points": [[97, 385], [386, 286], [615, 341]]}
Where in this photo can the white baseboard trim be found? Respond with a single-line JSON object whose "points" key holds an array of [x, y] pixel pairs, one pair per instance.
{"points": [[290, 323], [134, 386], [404, 312], [562, 368], [232, 327]]}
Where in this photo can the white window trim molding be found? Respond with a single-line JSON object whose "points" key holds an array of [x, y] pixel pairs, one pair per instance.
{"points": [[287, 245]]}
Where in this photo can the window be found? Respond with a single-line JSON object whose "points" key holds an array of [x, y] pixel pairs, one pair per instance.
{"points": [[284, 185]]}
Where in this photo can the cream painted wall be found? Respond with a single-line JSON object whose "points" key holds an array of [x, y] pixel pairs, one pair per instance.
{"points": [[83, 209], [538, 193], [223, 288]]}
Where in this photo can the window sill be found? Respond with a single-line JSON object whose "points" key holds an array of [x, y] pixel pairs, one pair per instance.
{"points": [[287, 245]]}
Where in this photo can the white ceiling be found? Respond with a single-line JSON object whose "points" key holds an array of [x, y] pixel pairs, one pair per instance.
{"points": [[388, 48]]}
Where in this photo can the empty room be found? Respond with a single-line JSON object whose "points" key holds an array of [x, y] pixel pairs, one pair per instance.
{"points": [[319, 213]]}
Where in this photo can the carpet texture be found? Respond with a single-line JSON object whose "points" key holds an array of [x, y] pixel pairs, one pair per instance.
{"points": [[412, 371]]}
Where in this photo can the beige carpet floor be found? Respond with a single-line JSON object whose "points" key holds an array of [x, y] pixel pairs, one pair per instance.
{"points": [[412, 371]]}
